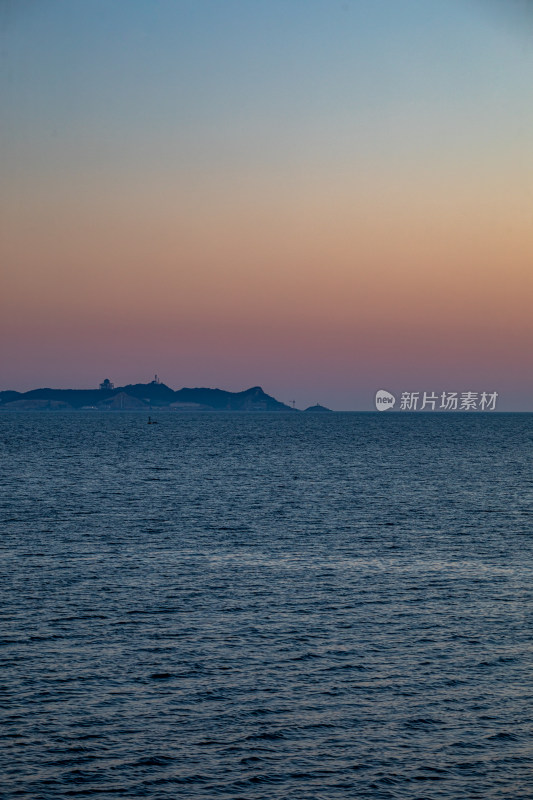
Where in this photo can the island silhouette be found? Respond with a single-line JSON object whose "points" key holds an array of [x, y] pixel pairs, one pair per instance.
{"points": [[144, 396]]}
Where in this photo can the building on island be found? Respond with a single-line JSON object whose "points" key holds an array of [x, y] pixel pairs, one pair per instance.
{"points": [[107, 384]]}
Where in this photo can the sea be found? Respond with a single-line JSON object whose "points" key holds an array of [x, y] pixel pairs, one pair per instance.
{"points": [[266, 606]]}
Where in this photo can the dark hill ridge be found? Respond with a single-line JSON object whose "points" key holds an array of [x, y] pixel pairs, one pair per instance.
{"points": [[140, 396]]}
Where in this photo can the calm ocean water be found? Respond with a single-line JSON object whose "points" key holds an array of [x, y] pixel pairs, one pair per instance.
{"points": [[266, 607]]}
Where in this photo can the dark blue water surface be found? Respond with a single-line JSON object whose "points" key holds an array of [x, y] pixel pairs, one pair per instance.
{"points": [[266, 607]]}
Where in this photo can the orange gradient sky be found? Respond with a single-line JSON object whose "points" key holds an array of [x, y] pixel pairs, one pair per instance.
{"points": [[268, 205]]}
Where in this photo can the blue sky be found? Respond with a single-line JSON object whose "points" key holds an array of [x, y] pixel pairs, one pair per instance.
{"points": [[273, 165]]}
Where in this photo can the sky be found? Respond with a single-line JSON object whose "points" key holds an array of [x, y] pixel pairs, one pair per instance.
{"points": [[321, 197]]}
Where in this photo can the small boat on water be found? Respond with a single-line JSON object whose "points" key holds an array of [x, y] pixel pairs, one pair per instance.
{"points": [[152, 421]]}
